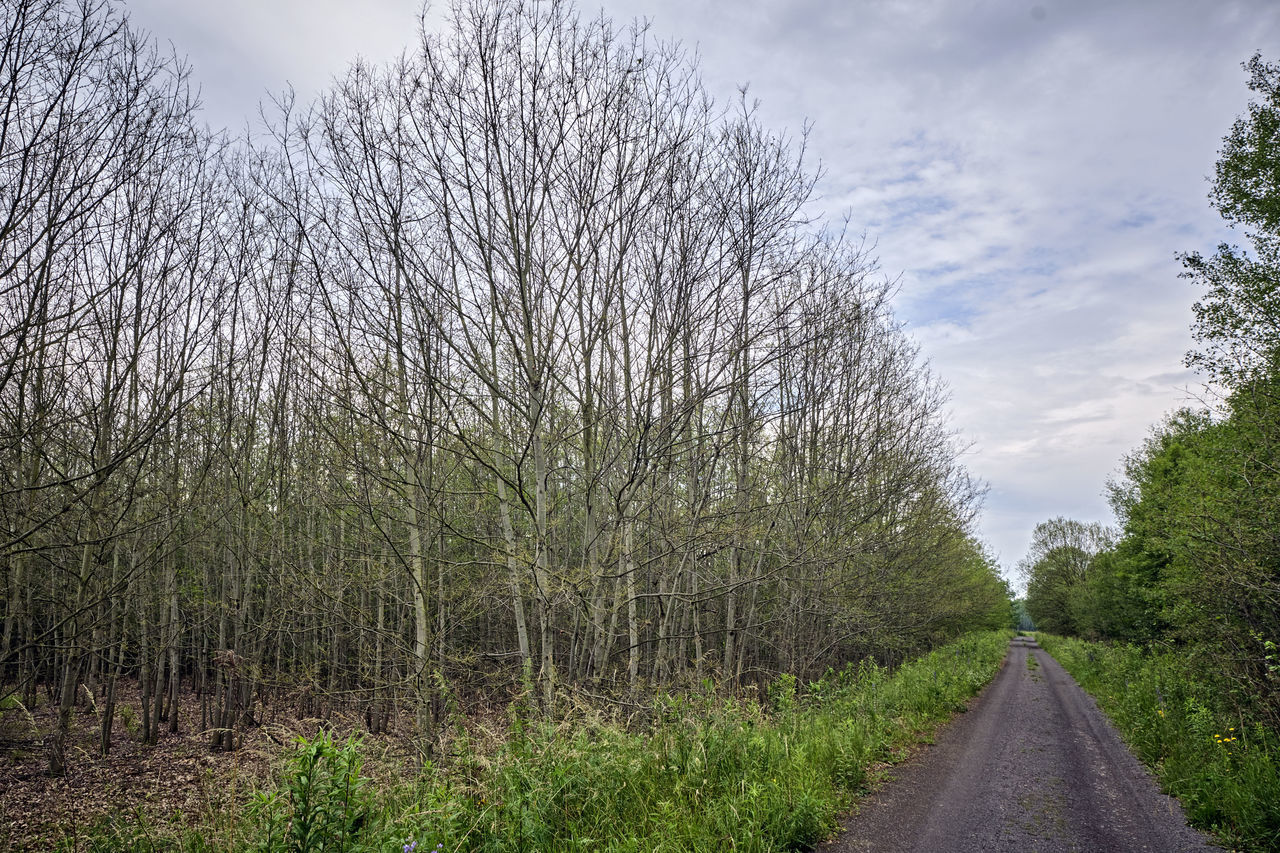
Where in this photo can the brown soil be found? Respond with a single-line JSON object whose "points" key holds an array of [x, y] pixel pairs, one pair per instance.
{"points": [[179, 780]]}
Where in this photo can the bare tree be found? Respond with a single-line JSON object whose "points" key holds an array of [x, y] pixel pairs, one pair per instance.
{"points": [[515, 362], [106, 308]]}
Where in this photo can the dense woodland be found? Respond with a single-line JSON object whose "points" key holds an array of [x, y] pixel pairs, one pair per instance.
{"points": [[1196, 564], [516, 366]]}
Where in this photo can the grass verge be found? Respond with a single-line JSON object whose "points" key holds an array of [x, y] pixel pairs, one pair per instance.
{"points": [[707, 774], [1222, 767]]}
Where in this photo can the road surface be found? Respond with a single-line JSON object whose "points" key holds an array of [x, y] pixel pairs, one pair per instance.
{"points": [[1033, 767]]}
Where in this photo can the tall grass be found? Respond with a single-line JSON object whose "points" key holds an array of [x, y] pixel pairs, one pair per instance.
{"points": [[1221, 766], [706, 774]]}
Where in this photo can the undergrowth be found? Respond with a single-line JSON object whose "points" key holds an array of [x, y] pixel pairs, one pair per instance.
{"points": [[1221, 766], [707, 774]]}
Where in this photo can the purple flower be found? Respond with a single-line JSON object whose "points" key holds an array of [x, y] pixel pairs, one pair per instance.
{"points": [[411, 846]]}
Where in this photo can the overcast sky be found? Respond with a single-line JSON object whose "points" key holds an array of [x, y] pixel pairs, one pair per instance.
{"points": [[1028, 169]]}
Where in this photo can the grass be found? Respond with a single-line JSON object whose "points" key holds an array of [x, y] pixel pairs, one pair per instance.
{"points": [[706, 774], [1222, 767]]}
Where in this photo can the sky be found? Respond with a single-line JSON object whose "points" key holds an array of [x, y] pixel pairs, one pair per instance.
{"points": [[1027, 171]]}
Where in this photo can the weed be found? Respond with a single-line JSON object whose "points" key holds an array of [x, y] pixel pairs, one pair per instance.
{"points": [[708, 774], [129, 719], [324, 797], [1223, 769]]}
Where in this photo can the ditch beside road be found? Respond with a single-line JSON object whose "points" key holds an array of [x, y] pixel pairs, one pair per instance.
{"points": [[1032, 766]]}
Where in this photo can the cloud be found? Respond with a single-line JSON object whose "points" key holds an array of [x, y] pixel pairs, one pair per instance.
{"points": [[245, 51]]}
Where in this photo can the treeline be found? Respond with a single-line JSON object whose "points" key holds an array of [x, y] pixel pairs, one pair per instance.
{"points": [[1196, 563], [515, 363]]}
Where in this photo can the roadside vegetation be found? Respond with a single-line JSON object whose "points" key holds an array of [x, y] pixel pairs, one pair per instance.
{"points": [[1184, 598], [699, 773], [1220, 763]]}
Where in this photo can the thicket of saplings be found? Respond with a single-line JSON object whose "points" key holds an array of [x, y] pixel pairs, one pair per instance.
{"points": [[1191, 583], [515, 367], [703, 775]]}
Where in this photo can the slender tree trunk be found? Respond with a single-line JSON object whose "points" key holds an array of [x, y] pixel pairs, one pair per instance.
{"points": [[633, 622], [70, 673], [145, 679], [115, 659]]}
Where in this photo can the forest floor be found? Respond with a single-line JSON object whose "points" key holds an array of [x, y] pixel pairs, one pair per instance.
{"points": [[177, 779], [1034, 765]]}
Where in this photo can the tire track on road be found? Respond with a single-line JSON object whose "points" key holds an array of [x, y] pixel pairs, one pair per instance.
{"points": [[1033, 767]]}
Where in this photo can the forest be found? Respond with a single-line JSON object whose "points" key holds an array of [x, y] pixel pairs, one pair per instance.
{"points": [[515, 370]]}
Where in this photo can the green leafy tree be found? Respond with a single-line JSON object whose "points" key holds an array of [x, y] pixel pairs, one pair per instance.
{"points": [[1237, 320], [1198, 564], [1224, 579], [1056, 569], [1153, 499]]}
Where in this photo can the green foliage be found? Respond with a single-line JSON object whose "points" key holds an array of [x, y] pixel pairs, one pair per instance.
{"points": [[1057, 568], [323, 803], [1197, 564], [1237, 321], [707, 774], [1221, 765], [1120, 599], [970, 596]]}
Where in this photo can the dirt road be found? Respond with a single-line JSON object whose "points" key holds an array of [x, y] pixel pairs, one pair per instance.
{"points": [[1033, 766]]}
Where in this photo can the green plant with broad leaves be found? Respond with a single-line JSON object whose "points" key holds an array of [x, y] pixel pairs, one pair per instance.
{"points": [[323, 803]]}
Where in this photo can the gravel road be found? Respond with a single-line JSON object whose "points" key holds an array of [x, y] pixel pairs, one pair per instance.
{"points": [[1033, 767]]}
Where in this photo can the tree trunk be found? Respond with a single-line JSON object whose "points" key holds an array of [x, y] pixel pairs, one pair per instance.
{"points": [[70, 673]]}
